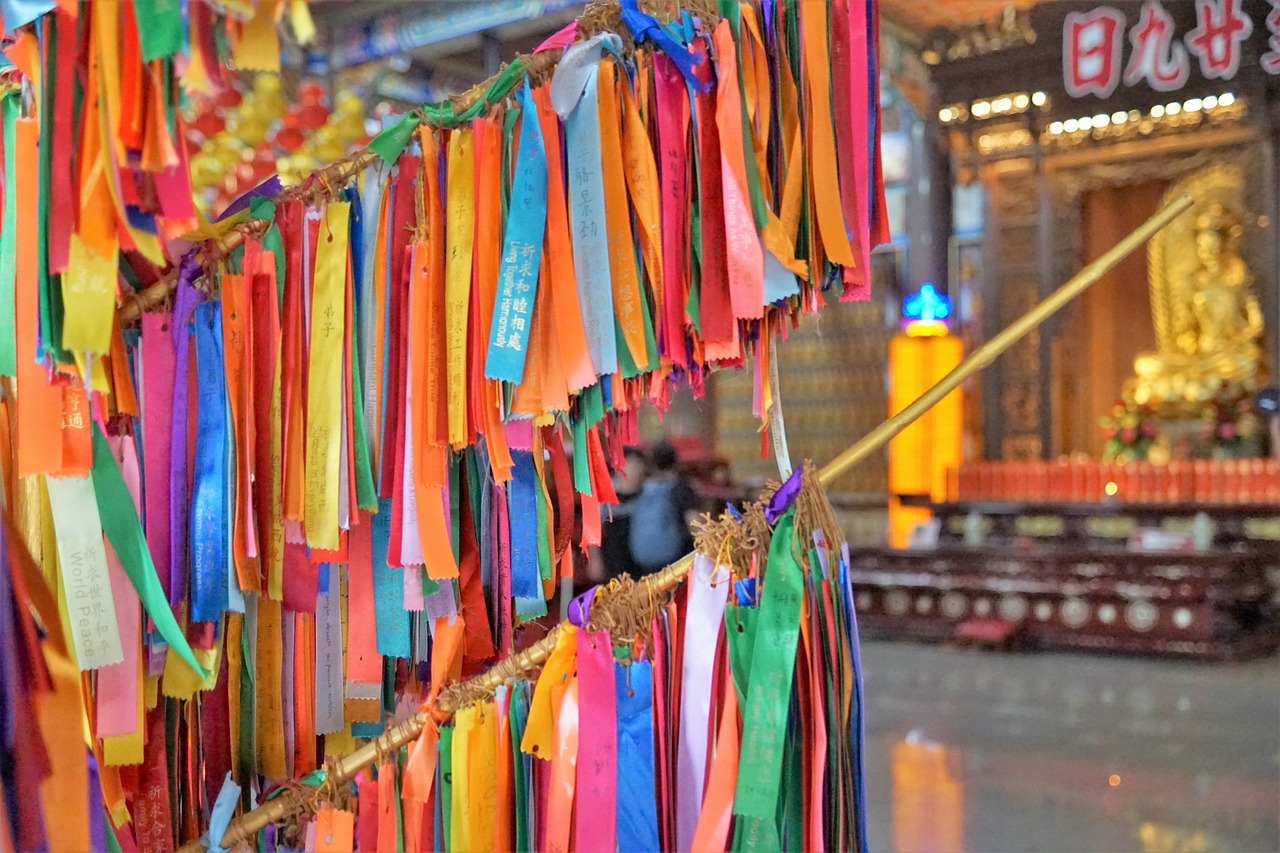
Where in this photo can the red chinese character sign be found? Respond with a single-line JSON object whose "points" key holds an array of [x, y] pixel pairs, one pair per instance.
{"points": [[1271, 59], [1093, 45], [1091, 52], [1156, 56], [1220, 28]]}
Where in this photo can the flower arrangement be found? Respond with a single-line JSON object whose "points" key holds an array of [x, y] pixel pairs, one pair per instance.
{"points": [[1131, 429], [1227, 425]]}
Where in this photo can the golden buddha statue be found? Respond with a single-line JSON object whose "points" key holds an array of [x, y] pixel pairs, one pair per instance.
{"points": [[1211, 334]]}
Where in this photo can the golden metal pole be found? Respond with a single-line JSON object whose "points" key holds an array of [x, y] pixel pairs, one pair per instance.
{"points": [[982, 357], [346, 768]]}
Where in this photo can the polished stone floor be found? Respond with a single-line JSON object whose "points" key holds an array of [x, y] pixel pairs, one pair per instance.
{"points": [[983, 751]]}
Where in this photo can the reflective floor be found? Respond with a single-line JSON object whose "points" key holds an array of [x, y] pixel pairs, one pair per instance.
{"points": [[984, 751]]}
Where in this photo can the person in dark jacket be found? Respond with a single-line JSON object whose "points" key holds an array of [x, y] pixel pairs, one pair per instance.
{"points": [[615, 533], [662, 514]]}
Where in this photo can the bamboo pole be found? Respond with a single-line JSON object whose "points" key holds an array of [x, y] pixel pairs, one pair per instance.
{"points": [[345, 768]]}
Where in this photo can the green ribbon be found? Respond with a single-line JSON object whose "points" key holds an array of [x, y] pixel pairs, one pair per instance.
{"points": [[773, 661], [159, 27], [544, 549], [312, 780], [518, 716], [248, 700], [366, 492], [475, 488], [113, 843], [124, 532], [581, 467], [10, 105], [445, 114], [48, 286], [445, 785], [392, 141], [740, 629], [455, 514]]}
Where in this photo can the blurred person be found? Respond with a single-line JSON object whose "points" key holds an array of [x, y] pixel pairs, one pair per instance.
{"points": [[1268, 406], [615, 528], [662, 514]]}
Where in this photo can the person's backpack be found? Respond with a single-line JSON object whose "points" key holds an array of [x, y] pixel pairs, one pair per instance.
{"points": [[658, 533]]}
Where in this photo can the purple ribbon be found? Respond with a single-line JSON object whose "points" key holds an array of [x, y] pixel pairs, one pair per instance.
{"points": [[580, 608], [97, 814], [783, 498], [269, 188], [184, 304]]}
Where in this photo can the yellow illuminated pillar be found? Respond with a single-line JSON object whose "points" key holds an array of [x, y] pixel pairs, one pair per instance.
{"points": [[921, 455]]}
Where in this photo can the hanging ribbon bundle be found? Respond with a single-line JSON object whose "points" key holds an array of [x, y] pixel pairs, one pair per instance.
{"points": [[345, 468], [98, 185], [727, 717]]}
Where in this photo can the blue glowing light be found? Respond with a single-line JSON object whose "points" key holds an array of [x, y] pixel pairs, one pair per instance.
{"points": [[928, 305]]}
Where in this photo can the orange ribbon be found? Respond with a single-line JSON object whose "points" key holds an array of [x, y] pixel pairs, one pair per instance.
{"points": [[446, 663]]}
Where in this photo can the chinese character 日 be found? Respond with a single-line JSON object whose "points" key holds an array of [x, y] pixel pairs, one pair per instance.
{"points": [[1157, 57], [1091, 52], [1220, 28]]}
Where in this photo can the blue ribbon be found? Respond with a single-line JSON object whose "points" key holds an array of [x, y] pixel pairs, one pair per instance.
{"points": [[646, 28], [779, 282], [857, 737], [19, 13], [521, 251], [209, 551], [220, 818], [637, 816], [526, 581]]}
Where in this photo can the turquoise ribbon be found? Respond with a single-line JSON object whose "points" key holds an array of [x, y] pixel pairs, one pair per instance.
{"points": [[388, 590], [521, 251]]}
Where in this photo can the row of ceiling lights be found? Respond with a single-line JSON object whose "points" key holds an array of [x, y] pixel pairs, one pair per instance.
{"points": [[1191, 105], [991, 107]]}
